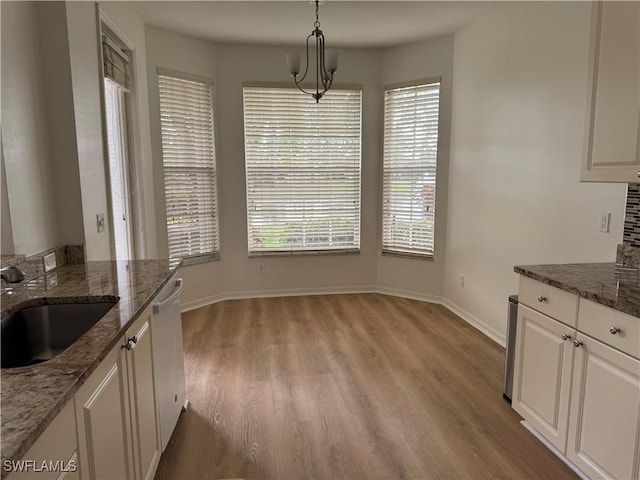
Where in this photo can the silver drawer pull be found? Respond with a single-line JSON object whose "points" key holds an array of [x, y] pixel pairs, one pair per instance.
{"points": [[614, 330], [565, 337], [577, 344], [542, 299], [131, 343]]}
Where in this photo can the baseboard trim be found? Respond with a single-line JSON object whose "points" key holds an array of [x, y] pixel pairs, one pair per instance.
{"points": [[296, 292], [422, 297], [475, 322], [471, 319], [553, 448], [201, 302]]}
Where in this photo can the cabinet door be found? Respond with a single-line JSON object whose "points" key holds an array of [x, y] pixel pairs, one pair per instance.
{"points": [[142, 397], [56, 447], [604, 429], [102, 418], [612, 137], [542, 377]]}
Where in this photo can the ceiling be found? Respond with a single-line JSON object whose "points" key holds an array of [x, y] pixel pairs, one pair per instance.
{"points": [[344, 23]]}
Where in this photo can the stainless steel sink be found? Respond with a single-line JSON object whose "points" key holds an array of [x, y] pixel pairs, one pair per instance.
{"points": [[36, 334]]}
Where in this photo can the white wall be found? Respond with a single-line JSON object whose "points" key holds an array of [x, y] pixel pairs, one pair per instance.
{"points": [[83, 32], [517, 133], [6, 230], [420, 61], [60, 118], [54, 153], [85, 78], [235, 273], [25, 131]]}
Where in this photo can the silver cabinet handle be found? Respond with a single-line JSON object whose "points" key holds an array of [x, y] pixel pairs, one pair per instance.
{"points": [[614, 330], [131, 343], [565, 337], [577, 344], [542, 299]]}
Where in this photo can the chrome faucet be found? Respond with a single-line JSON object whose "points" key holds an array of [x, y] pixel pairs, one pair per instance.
{"points": [[12, 274]]}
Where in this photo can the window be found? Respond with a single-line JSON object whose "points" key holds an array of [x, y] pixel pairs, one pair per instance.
{"points": [[188, 155], [116, 70], [409, 169], [302, 164]]}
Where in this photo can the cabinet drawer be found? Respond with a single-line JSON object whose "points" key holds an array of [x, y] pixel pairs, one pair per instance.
{"points": [[551, 301], [599, 322]]}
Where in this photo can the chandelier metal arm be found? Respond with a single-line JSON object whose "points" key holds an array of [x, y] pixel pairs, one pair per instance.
{"points": [[298, 81], [323, 77]]}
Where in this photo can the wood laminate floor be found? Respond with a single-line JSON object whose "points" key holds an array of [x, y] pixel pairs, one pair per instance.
{"points": [[346, 386]]}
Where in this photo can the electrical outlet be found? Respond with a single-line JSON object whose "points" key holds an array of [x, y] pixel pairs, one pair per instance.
{"points": [[100, 222], [605, 217], [462, 281], [49, 262], [261, 268]]}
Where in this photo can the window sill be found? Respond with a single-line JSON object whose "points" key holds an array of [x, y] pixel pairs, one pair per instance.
{"points": [[416, 256], [298, 253]]}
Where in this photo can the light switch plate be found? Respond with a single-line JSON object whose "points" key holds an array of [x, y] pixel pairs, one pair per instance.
{"points": [[49, 262], [100, 222], [605, 217]]}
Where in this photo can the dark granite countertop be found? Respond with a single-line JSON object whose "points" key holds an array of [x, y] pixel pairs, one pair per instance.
{"points": [[32, 396], [613, 285]]}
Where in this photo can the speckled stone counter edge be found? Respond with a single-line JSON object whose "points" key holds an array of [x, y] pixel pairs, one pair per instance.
{"points": [[622, 305]]}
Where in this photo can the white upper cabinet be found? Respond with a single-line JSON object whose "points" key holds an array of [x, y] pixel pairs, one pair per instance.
{"points": [[612, 136]]}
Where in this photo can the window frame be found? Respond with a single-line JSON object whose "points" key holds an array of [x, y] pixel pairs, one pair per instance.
{"points": [[395, 251], [215, 254], [347, 250], [109, 32]]}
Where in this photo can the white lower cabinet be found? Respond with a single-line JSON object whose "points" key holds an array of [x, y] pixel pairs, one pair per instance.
{"points": [[146, 434], [543, 374], [604, 426], [54, 454], [103, 421], [116, 411], [581, 394]]}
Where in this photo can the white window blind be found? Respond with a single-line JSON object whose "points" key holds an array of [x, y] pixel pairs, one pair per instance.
{"points": [[302, 164], [115, 63], [188, 154], [409, 169]]}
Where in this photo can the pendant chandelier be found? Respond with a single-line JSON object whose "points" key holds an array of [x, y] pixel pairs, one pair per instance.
{"points": [[326, 62]]}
